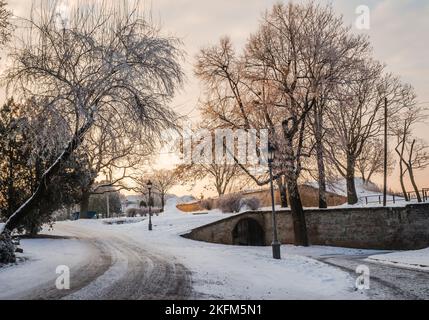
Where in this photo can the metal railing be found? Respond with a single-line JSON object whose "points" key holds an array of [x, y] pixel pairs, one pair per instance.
{"points": [[378, 199], [425, 193], [412, 195]]}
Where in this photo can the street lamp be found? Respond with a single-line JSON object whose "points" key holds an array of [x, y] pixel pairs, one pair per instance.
{"points": [[276, 243], [149, 188], [107, 198]]}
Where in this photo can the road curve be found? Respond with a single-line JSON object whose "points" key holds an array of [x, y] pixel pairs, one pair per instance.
{"points": [[118, 269], [387, 282]]}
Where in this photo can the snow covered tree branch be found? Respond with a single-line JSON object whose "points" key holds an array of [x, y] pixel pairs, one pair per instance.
{"points": [[96, 62]]}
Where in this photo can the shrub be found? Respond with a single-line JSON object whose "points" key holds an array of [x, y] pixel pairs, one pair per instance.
{"points": [[142, 212], [250, 204], [230, 203], [7, 249], [132, 212], [207, 204]]}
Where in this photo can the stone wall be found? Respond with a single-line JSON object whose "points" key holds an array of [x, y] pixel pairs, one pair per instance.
{"points": [[396, 228]]}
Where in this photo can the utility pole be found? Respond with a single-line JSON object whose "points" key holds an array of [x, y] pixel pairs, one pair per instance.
{"points": [[107, 200], [385, 154]]}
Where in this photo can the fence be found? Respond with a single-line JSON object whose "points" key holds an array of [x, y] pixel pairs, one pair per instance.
{"points": [[412, 195]]}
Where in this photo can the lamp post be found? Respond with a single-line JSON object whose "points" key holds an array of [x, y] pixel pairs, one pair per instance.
{"points": [[276, 243], [149, 188], [107, 199]]}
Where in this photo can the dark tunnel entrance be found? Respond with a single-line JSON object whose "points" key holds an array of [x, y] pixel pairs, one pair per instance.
{"points": [[248, 232]]}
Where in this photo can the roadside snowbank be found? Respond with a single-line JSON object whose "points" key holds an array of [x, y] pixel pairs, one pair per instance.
{"points": [[418, 259], [38, 264], [123, 220]]}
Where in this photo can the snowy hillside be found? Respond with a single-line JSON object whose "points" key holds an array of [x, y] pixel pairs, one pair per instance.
{"points": [[173, 201], [340, 187], [369, 189]]}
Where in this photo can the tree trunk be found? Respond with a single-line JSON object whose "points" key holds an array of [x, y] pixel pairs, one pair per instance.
{"points": [[15, 220], [413, 182], [283, 192], [318, 133], [352, 197], [84, 204], [401, 180], [362, 175], [162, 202], [298, 215]]}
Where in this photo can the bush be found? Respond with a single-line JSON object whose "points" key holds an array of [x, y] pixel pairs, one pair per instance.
{"points": [[207, 204], [142, 212], [230, 203], [145, 211], [7, 249], [133, 212], [250, 204]]}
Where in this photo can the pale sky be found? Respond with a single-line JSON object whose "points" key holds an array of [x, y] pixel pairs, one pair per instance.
{"points": [[398, 31]]}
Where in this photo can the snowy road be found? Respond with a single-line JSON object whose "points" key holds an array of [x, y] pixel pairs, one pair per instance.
{"points": [[117, 269], [126, 261], [387, 282]]}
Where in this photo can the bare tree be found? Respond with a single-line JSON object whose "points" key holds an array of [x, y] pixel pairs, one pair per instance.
{"points": [[332, 52], [412, 153], [221, 176], [289, 64], [163, 181], [99, 60], [418, 159], [355, 116], [371, 161], [5, 25], [115, 151]]}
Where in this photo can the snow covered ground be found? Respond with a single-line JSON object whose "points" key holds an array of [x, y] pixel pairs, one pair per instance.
{"points": [[232, 272], [38, 264], [218, 271], [418, 259]]}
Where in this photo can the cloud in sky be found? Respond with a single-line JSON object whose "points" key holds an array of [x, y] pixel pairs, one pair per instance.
{"points": [[399, 29], [399, 32]]}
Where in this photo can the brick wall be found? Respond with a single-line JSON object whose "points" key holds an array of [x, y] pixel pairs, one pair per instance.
{"points": [[402, 228]]}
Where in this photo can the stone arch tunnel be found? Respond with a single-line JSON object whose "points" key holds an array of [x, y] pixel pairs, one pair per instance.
{"points": [[248, 232]]}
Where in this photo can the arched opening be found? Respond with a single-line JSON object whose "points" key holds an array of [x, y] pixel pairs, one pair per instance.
{"points": [[248, 232]]}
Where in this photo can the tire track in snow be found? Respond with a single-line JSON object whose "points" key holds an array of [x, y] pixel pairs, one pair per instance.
{"points": [[120, 270]]}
